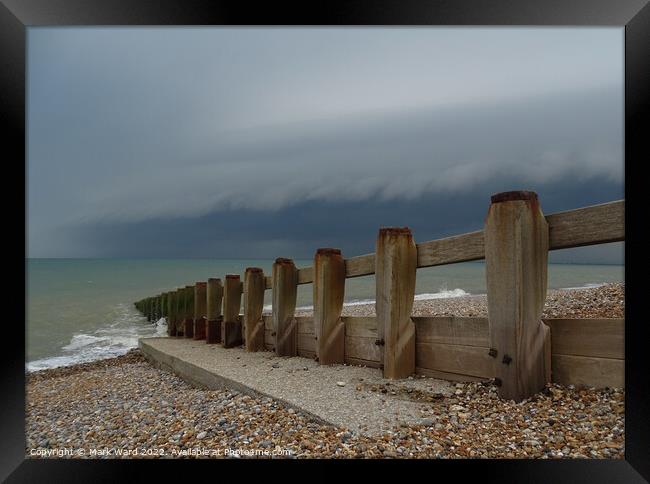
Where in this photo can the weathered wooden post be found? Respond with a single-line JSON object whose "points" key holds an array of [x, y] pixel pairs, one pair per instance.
{"points": [[231, 334], [171, 313], [395, 267], [161, 306], [516, 259], [179, 320], [156, 308], [200, 301], [182, 303], [214, 296], [285, 287], [329, 291], [189, 312], [253, 305]]}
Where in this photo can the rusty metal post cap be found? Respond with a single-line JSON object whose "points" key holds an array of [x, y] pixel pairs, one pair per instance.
{"points": [[328, 251], [395, 231], [513, 196]]}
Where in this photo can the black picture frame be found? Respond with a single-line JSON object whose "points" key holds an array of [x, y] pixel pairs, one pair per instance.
{"points": [[634, 15]]}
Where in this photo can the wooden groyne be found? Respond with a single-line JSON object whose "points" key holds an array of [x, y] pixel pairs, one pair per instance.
{"points": [[513, 345]]}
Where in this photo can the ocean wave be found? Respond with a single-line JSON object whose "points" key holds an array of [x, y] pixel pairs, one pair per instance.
{"points": [[161, 327], [110, 341], [91, 354], [80, 340], [588, 285], [445, 294], [442, 294]]}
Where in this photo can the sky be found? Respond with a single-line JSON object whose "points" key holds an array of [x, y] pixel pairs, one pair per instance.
{"points": [[272, 142]]}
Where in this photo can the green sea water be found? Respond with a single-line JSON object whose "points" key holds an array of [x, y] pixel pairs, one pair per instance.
{"points": [[82, 309]]}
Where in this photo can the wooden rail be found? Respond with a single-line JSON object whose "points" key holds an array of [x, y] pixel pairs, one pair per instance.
{"points": [[515, 347], [585, 351], [597, 224]]}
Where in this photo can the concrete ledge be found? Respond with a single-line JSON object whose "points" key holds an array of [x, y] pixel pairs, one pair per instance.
{"points": [[337, 395], [201, 377]]}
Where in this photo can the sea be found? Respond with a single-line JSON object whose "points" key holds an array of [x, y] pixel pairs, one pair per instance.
{"points": [[81, 310]]}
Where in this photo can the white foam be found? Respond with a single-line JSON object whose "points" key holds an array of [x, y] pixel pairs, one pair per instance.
{"points": [[53, 362], [442, 294], [360, 302], [589, 285], [92, 354], [81, 340], [161, 327], [116, 338]]}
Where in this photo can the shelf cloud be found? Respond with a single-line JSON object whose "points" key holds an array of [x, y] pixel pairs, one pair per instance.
{"points": [[163, 128]]}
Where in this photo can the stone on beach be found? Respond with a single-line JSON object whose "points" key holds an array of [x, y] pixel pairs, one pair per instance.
{"points": [[125, 403], [606, 301], [85, 408]]}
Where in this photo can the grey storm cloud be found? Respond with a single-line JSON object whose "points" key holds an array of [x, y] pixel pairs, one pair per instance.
{"points": [[131, 126], [391, 156]]}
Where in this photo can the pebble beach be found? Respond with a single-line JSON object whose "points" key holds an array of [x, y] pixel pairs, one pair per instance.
{"points": [[126, 408], [606, 301]]}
